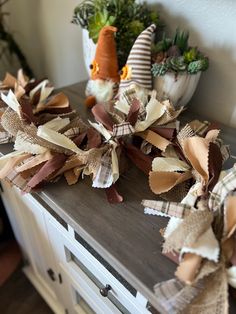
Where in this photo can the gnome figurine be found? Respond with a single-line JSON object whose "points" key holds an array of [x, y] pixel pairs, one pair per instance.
{"points": [[105, 77], [137, 70]]}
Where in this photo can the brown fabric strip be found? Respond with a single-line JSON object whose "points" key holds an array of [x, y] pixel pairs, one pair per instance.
{"points": [[78, 140], [167, 133], [142, 161], [113, 196], [26, 111], [133, 112], [215, 161], [71, 163], [94, 138], [35, 99], [48, 168], [102, 116]]}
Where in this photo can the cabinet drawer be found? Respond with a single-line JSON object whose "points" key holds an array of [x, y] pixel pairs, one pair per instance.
{"points": [[76, 256]]}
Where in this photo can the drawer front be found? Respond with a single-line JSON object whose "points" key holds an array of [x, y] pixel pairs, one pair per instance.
{"points": [[75, 257]]}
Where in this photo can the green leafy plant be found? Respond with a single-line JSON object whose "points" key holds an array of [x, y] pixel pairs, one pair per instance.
{"points": [[129, 16], [8, 45], [177, 56]]}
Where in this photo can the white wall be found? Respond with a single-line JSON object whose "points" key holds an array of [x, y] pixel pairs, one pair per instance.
{"points": [[54, 46], [212, 26]]}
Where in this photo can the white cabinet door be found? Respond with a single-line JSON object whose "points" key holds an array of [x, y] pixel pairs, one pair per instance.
{"points": [[81, 293], [28, 222]]}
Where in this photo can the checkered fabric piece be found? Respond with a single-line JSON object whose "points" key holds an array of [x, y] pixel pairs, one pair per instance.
{"points": [[5, 137], [142, 115], [185, 133], [202, 128], [104, 177], [122, 129], [16, 179], [146, 147], [222, 189], [171, 209], [224, 149], [173, 296], [72, 132], [130, 95]]}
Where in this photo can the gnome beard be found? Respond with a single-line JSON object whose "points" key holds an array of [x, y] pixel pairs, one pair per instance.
{"points": [[101, 90]]}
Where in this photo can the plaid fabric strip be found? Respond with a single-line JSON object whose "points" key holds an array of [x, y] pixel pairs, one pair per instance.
{"points": [[146, 147], [72, 132], [171, 209], [122, 129], [202, 128], [104, 177], [16, 179], [142, 114], [5, 137], [222, 189], [129, 95], [174, 296], [224, 149], [185, 133]]}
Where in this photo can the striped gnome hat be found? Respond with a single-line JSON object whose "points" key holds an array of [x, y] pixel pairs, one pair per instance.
{"points": [[138, 66]]}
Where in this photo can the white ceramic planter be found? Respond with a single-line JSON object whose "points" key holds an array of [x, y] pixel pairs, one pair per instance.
{"points": [[89, 49], [179, 89]]}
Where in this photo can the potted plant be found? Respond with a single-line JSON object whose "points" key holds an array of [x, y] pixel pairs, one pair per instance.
{"points": [[177, 68], [129, 17]]}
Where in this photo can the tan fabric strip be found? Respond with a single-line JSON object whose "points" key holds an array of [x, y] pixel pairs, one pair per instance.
{"points": [[72, 176], [163, 181], [11, 164], [188, 268], [155, 139], [230, 216], [196, 150], [71, 162], [37, 160]]}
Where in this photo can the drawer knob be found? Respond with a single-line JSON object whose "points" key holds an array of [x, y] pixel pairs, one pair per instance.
{"points": [[104, 291]]}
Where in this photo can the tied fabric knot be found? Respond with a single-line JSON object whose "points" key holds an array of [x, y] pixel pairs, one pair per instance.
{"points": [[202, 232]]}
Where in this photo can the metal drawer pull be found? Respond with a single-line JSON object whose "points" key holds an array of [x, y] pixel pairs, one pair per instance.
{"points": [[51, 274], [104, 291]]}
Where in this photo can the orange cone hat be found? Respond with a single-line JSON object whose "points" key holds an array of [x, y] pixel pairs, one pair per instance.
{"points": [[105, 64]]}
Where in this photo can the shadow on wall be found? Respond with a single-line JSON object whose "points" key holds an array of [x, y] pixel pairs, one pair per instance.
{"points": [[215, 97], [52, 45]]}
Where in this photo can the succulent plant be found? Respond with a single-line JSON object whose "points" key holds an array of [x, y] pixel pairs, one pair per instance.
{"points": [[191, 55], [162, 45], [198, 65], [177, 64], [159, 69], [177, 56], [181, 40], [174, 51]]}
